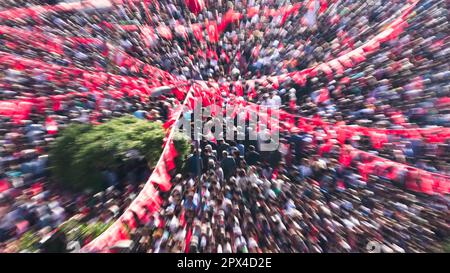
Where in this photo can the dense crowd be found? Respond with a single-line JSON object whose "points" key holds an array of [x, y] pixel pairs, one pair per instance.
{"points": [[236, 206], [231, 197]]}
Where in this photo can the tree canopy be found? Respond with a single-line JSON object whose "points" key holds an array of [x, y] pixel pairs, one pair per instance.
{"points": [[82, 151]]}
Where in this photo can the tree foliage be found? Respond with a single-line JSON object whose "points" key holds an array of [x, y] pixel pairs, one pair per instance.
{"points": [[74, 230], [82, 152]]}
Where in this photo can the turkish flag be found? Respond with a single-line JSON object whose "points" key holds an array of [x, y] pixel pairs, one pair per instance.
{"points": [[213, 33], [188, 240], [195, 6], [51, 125]]}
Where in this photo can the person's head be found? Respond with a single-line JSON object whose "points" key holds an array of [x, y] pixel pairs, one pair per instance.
{"points": [[211, 164]]}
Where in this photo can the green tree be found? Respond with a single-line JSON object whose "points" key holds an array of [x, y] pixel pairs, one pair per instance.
{"points": [[82, 152]]}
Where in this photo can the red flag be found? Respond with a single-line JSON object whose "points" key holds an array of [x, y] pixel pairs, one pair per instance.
{"points": [[161, 177], [188, 240], [323, 6], [357, 56], [340, 185], [37, 188], [122, 234], [345, 158], [378, 139], [170, 155], [51, 125], [4, 185], [324, 95], [197, 30], [195, 6], [238, 89], [252, 11], [336, 66], [427, 183], [345, 61], [212, 30], [275, 174]]}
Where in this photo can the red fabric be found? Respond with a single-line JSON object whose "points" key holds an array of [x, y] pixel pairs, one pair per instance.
{"points": [[371, 46], [292, 104], [51, 125], [36, 188], [252, 11], [342, 135], [212, 31], [230, 17], [323, 6], [340, 185], [35, 11], [326, 69], [238, 89], [299, 78], [188, 240], [416, 179], [325, 148], [198, 32], [378, 140], [336, 66], [170, 156], [164, 32], [324, 95], [275, 174], [290, 11], [357, 57], [345, 61], [4, 185], [122, 234], [161, 177], [195, 6]]}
